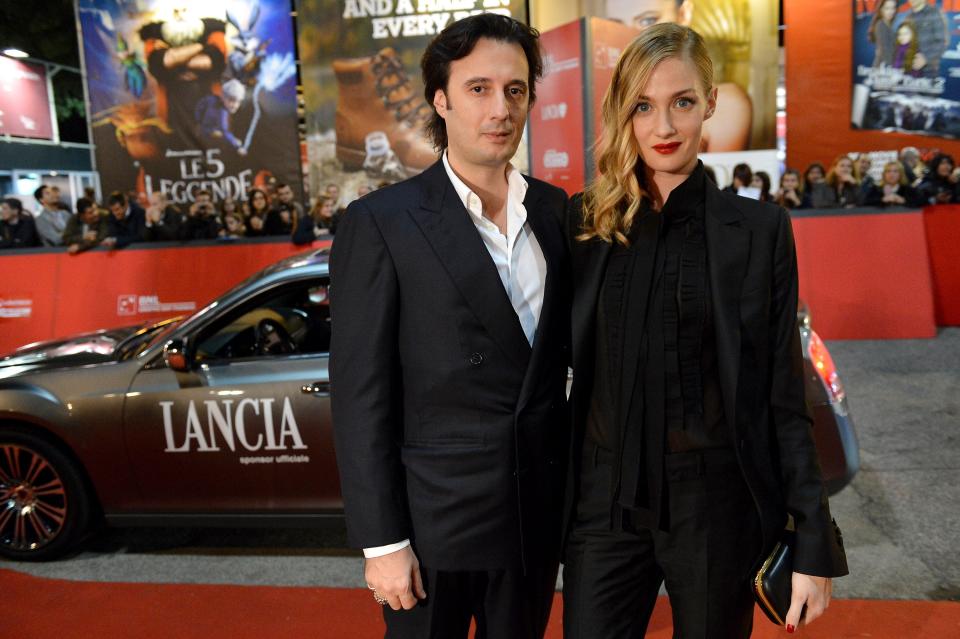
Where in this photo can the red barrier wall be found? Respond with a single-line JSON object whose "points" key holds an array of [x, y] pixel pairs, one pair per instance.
{"points": [[49, 293], [942, 224], [865, 275]]}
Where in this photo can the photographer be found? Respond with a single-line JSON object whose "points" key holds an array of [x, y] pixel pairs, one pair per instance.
{"points": [[163, 220], [281, 218], [201, 222]]}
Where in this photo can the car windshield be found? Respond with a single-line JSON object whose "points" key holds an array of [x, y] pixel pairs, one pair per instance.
{"points": [[146, 337]]}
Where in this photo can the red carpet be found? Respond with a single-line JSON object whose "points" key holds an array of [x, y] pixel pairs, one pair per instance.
{"points": [[34, 608]]}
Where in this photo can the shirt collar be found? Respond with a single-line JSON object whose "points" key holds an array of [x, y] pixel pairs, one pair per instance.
{"points": [[688, 195], [516, 188]]}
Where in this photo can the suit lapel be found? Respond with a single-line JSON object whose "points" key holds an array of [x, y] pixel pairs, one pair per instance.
{"points": [[728, 250], [448, 228]]}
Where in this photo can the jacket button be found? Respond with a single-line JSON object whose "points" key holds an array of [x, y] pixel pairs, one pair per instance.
{"points": [[743, 445], [476, 359]]}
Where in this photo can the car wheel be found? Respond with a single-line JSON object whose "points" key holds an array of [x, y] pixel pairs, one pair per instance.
{"points": [[44, 504]]}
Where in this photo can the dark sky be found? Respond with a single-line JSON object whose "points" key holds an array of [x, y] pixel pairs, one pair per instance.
{"points": [[46, 29]]}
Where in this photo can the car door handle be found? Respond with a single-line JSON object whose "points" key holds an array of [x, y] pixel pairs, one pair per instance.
{"points": [[322, 388]]}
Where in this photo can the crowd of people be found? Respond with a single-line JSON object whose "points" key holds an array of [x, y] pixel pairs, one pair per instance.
{"points": [[848, 183], [125, 218]]}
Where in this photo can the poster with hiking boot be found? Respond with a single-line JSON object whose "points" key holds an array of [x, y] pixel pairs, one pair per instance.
{"points": [[191, 96], [364, 102]]}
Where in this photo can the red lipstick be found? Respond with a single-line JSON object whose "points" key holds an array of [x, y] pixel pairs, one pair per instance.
{"points": [[666, 149]]}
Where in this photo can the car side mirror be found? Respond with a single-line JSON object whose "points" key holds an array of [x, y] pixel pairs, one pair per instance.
{"points": [[177, 355]]}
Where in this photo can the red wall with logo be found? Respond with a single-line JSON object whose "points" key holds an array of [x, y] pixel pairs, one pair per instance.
{"points": [[580, 57], [47, 294]]}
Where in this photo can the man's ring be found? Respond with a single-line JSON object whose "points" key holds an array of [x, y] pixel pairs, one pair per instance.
{"points": [[380, 599]]}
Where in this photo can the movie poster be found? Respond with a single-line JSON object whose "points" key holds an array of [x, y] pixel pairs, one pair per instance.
{"points": [[906, 66], [741, 36], [365, 108], [192, 96]]}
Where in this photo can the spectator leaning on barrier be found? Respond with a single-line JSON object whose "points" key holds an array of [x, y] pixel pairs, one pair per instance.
{"points": [[201, 222], [893, 189], [163, 220], [912, 168], [126, 223], [939, 185], [232, 226], [281, 218], [87, 229], [256, 217], [791, 194], [51, 220], [840, 188], [814, 174], [322, 221], [861, 170], [17, 228]]}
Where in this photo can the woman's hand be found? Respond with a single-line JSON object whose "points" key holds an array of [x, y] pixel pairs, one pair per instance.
{"points": [[812, 592]]}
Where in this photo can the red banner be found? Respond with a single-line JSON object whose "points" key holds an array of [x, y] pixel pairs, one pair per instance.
{"points": [[942, 224], [557, 119], [24, 101], [53, 294]]}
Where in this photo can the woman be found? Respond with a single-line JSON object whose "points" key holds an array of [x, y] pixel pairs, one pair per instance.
{"points": [[813, 175], [893, 189], [259, 207], [939, 185], [761, 182], [321, 221], [880, 32], [840, 189], [691, 438], [906, 49], [742, 176], [791, 195]]}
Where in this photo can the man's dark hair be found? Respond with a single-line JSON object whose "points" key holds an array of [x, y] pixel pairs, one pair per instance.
{"points": [[83, 204], [14, 204], [203, 192], [38, 192], [117, 197], [457, 41], [743, 173]]}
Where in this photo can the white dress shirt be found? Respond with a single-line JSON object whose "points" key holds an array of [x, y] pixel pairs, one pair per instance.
{"points": [[519, 260]]}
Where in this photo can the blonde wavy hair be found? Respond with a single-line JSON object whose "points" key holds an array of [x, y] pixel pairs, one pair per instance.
{"points": [[613, 198]]}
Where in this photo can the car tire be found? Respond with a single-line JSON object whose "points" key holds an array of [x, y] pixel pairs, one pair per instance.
{"points": [[45, 507]]}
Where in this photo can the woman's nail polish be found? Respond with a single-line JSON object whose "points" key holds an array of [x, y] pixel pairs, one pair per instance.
{"points": [[790, 629]]}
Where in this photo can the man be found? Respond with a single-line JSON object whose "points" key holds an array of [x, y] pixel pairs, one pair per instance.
{"points": [[449, 358], [163, 220], [87, 229], [201, 221], [280, 218], [17, 229], [126, 224], [933, 37], [51, 220]]}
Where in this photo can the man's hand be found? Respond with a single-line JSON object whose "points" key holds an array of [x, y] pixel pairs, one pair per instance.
{"points": [[809, 591], [396, 578]]}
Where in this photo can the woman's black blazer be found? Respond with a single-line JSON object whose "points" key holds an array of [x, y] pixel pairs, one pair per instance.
{"points": [[753, 286]]}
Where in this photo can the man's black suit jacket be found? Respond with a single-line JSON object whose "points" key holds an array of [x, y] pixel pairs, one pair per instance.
{"points": [[752, 267], [450, 429]]}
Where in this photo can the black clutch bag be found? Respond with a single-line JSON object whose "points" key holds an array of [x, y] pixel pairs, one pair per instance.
{"points": [[772, 585]]}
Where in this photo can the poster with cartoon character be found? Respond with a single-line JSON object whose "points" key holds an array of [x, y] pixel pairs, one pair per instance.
{"points": [[190, 96]]}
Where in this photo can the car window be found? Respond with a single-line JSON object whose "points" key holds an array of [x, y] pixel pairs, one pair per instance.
{"points": [[288, 320]]}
